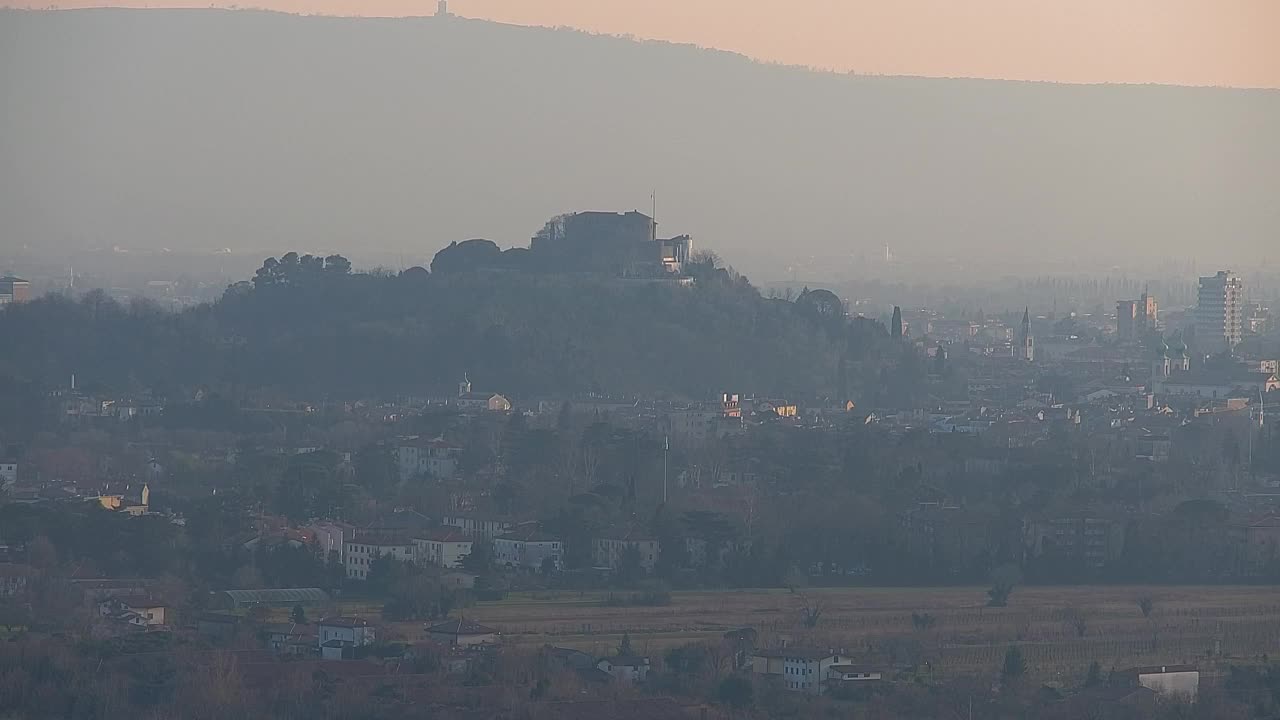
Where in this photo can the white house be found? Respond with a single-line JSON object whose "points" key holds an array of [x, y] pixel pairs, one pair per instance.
{"points": [[527, 548], [361, 553], [8, 473], [800, 670], [629, 669], [134, 610], [443, 548], [436, 459], [611, 547], [337, 635], [1181, 681]]}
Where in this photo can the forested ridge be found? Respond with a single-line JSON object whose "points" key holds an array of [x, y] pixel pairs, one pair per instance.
{"points": [[317, 331]]}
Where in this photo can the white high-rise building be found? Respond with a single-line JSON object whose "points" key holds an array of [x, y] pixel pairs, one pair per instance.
{"points": [[1220, 312]]}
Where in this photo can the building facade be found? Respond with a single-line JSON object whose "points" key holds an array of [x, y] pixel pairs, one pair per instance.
{"points": [[1219, 318], [14, 290], [443, 548], [361, 554], [800, 670], [612, 547], [436, 459], [528, 549]]}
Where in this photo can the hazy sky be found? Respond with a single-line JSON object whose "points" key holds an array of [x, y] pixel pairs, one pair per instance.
{"points": [[1181, 42]]}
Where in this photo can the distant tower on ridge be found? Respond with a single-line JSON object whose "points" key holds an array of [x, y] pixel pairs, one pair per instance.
{"points": [[442, 8]]}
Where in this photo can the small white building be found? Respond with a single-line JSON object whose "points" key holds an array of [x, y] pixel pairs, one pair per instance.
{"points": [[842, 674], [1169, 681], [527, 548], [444, 548], [630, 669], [338, 635], [134, 610]]}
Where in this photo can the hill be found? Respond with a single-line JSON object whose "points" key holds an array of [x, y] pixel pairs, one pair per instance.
{"points": [[342, 335], [211, 129]]}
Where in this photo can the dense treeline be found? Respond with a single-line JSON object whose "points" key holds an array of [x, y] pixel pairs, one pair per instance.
{"points": [[311, 328]]}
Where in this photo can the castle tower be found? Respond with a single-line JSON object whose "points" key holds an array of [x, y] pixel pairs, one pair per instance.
{"points": [[442, 8]]}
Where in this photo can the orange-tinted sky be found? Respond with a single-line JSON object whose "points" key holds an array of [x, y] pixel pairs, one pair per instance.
{"points": [[1182, 42]]}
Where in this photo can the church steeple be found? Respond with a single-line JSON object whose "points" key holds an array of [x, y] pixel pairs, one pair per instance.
{"points": [[464, 387], [1026, 349]]}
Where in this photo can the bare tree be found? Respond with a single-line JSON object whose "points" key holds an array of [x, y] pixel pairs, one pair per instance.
{"points": [[812, 610], [1147, 605]]}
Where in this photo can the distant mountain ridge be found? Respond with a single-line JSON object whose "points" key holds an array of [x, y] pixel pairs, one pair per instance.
{"points": [[211, 128]]}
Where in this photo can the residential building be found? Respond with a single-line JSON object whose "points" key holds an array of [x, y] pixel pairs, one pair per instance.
{"points": [[800, 670], [338, 635], [630, 669], [290, 638], [1126, 319], [611, 547], [436, 459], [1090, 539], [141, 611], [331, 539], [14, 579], [362, 552], [477, 524], [444, 548], [462, 633], [14, 290], [527, 548], [1136, 319], [1260, 539], [8, 473], [843, 675], [1219, 318]]}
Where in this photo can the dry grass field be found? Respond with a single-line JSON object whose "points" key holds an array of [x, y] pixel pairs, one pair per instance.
{"points": [[1060, 629]]}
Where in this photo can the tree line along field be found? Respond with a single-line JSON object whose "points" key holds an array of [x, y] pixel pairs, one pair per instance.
{"points": [[1060, 630]]}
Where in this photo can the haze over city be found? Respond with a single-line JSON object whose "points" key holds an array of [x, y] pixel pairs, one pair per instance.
{"points": [[640, 360], [141, 129]]}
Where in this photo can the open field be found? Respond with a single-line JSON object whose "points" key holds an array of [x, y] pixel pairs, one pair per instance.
{"points": [[1201, 624]]}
